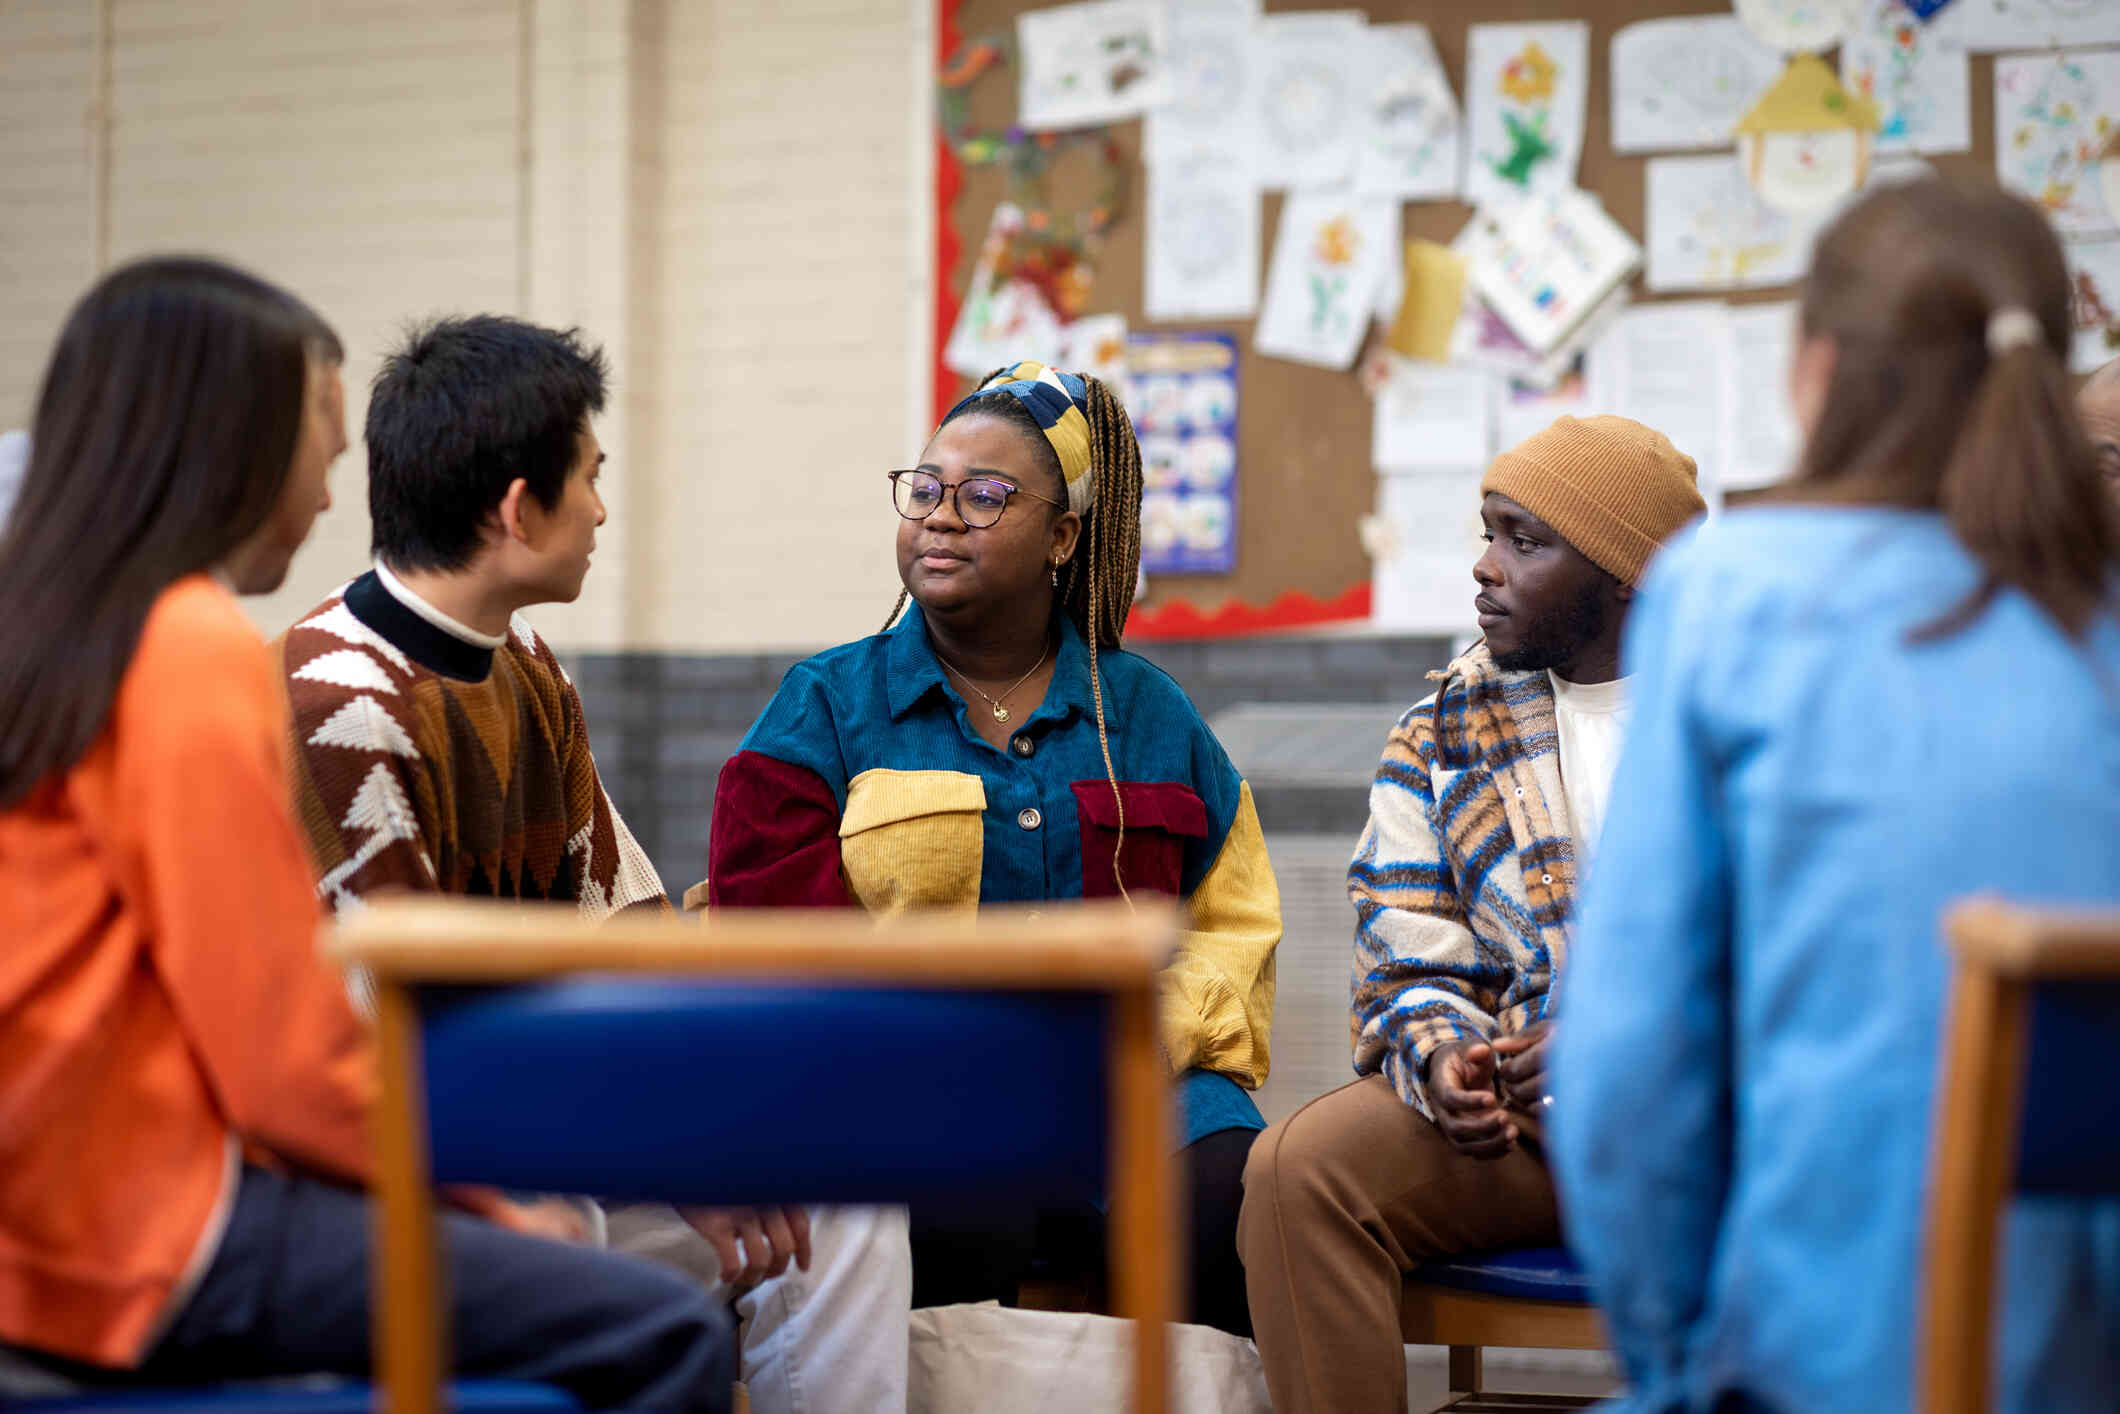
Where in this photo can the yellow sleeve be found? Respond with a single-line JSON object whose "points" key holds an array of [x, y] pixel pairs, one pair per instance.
{"points": [[1217, 1005]]}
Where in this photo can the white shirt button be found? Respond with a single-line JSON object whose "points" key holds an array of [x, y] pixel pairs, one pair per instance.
{"points": [[1023, 746], [1030, 819]]}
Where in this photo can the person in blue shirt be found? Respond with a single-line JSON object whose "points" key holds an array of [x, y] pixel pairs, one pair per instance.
{"points": [[1893, 683], [998, 745]]}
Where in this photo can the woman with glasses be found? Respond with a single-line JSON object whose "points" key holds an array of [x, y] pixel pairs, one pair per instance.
{"points": [[997, 746]]}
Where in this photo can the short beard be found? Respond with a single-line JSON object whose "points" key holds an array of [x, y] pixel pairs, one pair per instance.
{"points": [[1556, 638]]}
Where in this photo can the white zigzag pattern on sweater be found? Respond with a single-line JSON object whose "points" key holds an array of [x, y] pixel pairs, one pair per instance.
{"points": [[339, 622], [347, 667], [364, 724]]}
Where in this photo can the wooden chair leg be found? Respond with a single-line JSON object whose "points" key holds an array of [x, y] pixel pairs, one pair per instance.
{"points": [[408, 1304], [1465, 1369], [1144, 1211], [1976, 1146]]}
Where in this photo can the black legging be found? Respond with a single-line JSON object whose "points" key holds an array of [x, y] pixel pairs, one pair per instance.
{"points": [[962, 1254]]}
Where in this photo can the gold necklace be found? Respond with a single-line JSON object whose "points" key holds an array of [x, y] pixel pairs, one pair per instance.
{"points": [[1001, 713]]}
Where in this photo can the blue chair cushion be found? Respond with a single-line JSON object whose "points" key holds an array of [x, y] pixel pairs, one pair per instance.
{"points": [[688, 1098], [304, 1397], [1530, 1273], [2070, 1142]]}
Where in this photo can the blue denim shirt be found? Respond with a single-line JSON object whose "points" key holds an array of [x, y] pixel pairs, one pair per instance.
{"points": [[1749, 1033]]}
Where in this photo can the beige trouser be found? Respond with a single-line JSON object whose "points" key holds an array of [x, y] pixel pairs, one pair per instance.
{"points": [[1341, 1200]]}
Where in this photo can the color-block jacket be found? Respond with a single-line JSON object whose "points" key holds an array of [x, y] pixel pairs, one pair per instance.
{"points": [[1464, 880], [863, 784]]}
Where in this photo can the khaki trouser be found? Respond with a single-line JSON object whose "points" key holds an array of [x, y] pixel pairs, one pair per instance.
{"points": [[1341, 1200]]}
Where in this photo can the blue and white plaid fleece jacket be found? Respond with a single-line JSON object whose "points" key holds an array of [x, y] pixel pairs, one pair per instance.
{"points": [[1464, 882]]}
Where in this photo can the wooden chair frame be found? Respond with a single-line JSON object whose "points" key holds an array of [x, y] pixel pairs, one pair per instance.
{"points": [[1468, 1321], [2002, 952], [1112, 949]]}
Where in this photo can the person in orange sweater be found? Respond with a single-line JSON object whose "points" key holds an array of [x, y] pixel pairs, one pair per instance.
{"points": [[184, 1084]]}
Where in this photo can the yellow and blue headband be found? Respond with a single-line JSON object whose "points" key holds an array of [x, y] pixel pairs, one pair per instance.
{"points": [[1059, 403]]}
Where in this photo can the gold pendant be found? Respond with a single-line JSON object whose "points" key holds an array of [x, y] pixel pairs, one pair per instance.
{"points": [[1000, 713]]}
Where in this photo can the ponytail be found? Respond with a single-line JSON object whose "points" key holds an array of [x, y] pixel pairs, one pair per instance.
{"points": [[2021, 492]]}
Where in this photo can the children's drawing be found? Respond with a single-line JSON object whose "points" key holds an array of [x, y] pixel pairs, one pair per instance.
{"points": [[1525, 90], [2054, 113], [1410, 131], [1182, 394], [2094, 306], [1917, 73], [1708, 230], [1328, 257], [1684, 83], [2038, 24], [1210, 80], [1095, 344], [1797, 26], [1002, 319], [1086, 64], [1806, 143], [1307, 119], [1200, 252]]}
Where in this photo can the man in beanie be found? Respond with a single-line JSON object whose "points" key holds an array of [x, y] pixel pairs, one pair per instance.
{"points": [[1481, 819]]}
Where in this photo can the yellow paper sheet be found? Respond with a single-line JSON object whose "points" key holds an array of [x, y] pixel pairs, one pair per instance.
{"points": [[1435, 290]]}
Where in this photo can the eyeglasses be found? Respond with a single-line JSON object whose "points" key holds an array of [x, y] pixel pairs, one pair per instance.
{"points": [[980, 499]]}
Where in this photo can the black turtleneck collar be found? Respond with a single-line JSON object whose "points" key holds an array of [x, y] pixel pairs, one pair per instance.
{"points": [[434, 649]]}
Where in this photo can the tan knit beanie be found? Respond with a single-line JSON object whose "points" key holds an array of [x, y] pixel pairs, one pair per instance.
{"points": [[1614, 488]]}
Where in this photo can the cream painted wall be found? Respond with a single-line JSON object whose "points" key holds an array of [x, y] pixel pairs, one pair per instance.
{"points": [[730, 196]]}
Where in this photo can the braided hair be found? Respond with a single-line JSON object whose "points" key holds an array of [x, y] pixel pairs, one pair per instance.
{"points": [[1096, 585]]}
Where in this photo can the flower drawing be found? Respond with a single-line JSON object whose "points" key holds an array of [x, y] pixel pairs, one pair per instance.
{"points": [[1528, 78]]}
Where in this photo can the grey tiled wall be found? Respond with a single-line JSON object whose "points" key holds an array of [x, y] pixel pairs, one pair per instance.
{"points": [[663, 724]]}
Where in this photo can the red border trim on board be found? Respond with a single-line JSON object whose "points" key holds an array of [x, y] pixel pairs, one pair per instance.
{"points": [[1292, 610], [949, 180], [1177, 619]]}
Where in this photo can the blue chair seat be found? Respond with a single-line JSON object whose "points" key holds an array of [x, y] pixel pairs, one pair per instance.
{"points": [[1526, 1273], [306, 1397]]}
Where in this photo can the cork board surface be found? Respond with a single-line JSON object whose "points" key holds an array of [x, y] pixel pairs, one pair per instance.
{"points": [[1304, 470]]}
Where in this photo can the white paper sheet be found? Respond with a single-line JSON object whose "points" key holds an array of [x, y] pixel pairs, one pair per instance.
{"points": [[1797, 26], [1411, 132], [1662, 365], [1684, 83], [2038, 24], [1210, 81], [2094, 268], [1917, 72], [1328, 258], [1708, 230], [1432, 415], [1000, 321], [2052, 112], [1760, 439], [1546, 262], [1097, 62], [1200, 242], [1096, 344], [1526, 88], [1427, 535], [1522, 410], [1308, 115]]}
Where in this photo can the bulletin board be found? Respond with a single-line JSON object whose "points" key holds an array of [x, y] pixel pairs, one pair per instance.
{"points": [[1307, 478]]}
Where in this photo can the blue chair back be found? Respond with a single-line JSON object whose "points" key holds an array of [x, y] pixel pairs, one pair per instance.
{"points": [[647, 1087], [2070, 1139]]}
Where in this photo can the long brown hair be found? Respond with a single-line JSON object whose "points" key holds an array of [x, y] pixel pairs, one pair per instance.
{"points": [[1921, 414], [164, 432]]}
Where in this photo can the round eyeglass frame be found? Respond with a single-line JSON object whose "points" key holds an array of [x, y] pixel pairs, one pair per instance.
{"points": [[949, 490]]}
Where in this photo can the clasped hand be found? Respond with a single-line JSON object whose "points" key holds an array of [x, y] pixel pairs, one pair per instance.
{"points": [[1472, 1085], [754, 1244]]}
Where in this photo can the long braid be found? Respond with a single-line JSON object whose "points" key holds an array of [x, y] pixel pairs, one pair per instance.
{"points": [[1100, 597], [896, 609]]}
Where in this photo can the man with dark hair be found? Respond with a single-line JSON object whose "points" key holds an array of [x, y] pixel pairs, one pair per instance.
{"points": [[439, 745], [1484, 810], [2098, 405]]}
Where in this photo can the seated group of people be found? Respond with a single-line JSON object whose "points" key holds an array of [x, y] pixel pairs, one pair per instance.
{"points": [[1717, 1070]]}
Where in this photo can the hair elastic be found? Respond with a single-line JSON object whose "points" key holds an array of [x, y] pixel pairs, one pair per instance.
{"points": [[2012, 326]]}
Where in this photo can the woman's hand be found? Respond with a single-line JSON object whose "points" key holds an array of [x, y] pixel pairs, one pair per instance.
{"points": [[754, 1244]]}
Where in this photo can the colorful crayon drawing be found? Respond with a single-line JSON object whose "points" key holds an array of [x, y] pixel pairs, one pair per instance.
{"points": [[2053, 113], [1918, 74], [1526, 86]]}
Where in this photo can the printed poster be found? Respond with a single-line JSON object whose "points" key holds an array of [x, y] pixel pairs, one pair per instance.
{"points": [[1181, 393], [1526, 91]]}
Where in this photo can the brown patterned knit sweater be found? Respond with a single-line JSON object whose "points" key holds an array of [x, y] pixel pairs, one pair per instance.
{"points": [[425, 760]]}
